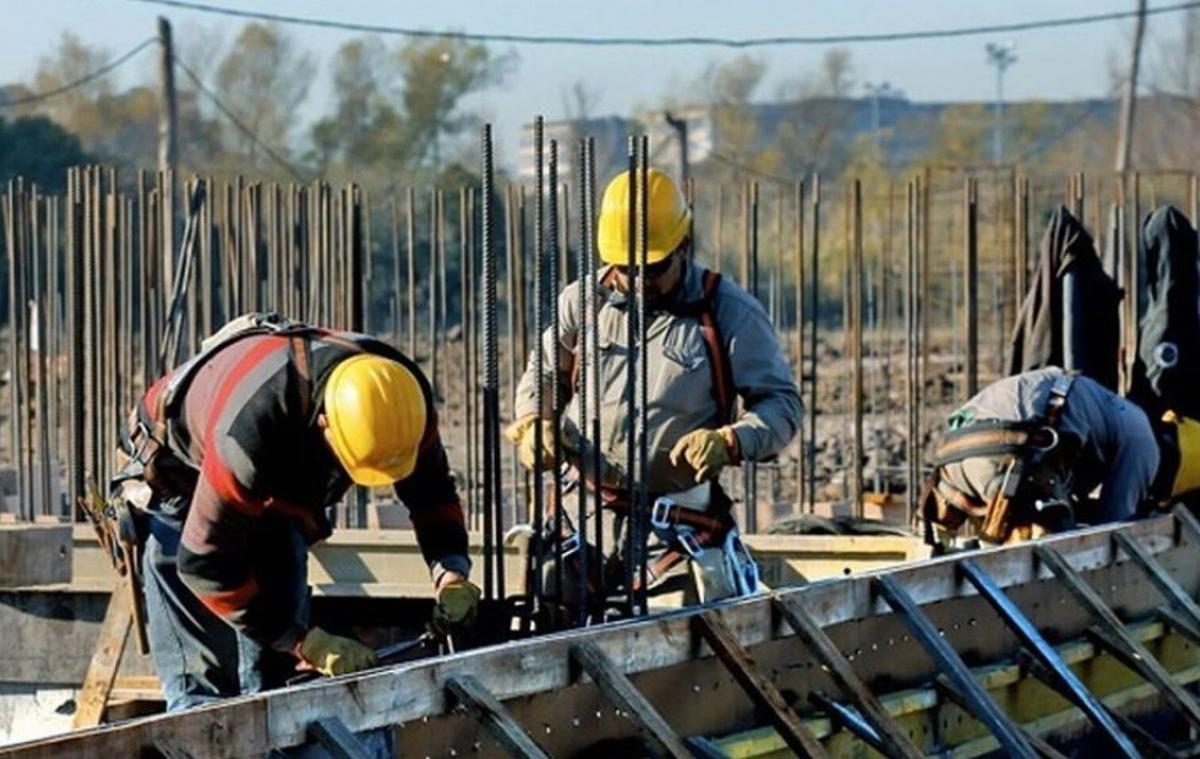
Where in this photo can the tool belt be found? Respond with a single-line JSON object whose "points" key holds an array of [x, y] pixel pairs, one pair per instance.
{"points": [[1037, 485]]}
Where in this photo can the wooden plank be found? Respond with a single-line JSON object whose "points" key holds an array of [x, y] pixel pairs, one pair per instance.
{"points": [[337, 740], [1112, 632], [636, 707], [844, 676], [35, 554], [106, 659], [492, 715], [757, 686]]}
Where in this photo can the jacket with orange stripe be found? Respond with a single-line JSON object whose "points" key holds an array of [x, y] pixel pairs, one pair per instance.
{"points": [[242, 423]]}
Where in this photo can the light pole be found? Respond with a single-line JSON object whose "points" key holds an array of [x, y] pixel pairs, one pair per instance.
{"points": [[1000, 56], [876, 91]]}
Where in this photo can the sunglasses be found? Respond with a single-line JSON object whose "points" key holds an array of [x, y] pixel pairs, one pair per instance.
{"points": [[653, 271]]}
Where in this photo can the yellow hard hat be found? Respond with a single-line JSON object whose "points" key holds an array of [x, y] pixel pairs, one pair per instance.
{"points": [[668, 221], [375, 418]]}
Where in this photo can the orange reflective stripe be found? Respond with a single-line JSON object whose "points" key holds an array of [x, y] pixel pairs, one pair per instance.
{"points": [[225, 603]]}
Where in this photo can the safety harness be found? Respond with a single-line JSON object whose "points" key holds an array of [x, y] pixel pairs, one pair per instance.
{"points": [[1037, 487], [705, 529], [156, 444]]}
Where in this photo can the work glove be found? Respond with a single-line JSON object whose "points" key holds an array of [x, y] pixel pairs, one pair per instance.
{"points": [[457, 604], [334, 655], [521, 433], [706, 451]]}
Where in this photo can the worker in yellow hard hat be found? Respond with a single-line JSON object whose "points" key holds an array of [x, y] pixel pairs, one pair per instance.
{"points": [[710, 344], [233, 460]]}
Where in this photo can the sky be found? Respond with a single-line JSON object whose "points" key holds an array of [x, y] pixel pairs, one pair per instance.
{"points": [[1053, 64]]}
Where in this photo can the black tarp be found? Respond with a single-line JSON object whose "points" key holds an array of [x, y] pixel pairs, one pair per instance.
{"points": [[1166, 374], [1038, 339]]}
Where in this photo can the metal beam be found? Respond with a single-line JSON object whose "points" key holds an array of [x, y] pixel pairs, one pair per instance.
{"points": [[851, 720], [492, 715], [1041, 650], [1110, 631], [1159, 577], [636, 707], [1038, 744], [758, 686], [979, 703], [844, 676], [337, 740]]}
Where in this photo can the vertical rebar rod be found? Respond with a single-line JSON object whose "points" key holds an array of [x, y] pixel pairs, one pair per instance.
{"points": [[539, 365], [589, 232], [750, 469], [814, 315], [856, 390], [493, 521], [632, 529], [801, 469], [643, 400], [434, 231], [583, 388], [515, 359], [465, 329], [971, 283], [554, 261], [912, 480]]}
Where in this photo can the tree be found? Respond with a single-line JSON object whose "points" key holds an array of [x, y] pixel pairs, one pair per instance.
{"points": [[41, 151], [263, 79], [436, 75]]}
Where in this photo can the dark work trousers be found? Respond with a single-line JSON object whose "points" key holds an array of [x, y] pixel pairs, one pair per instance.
{"points": [[200, 658]]}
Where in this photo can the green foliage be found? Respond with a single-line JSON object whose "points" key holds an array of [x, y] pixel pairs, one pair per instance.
{"points": [[36, 148]]}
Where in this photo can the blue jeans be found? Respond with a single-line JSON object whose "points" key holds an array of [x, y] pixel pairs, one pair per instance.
{"points": [[198, 657]]}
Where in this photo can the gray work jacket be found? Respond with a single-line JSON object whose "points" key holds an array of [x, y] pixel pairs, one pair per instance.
{"points": [[680, 382], [1119, 453]]}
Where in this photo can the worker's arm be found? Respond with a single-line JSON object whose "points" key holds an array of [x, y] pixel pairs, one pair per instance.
{"points": [[557, 357], [433, 503], [772, 411]]}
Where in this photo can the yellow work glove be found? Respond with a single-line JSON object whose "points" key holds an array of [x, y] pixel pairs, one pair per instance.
{"points": [[522, 434], [706, 451], [457, 604], [334, 655]]}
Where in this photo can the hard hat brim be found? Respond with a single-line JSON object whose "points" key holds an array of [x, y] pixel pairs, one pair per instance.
{"points": [[370, 477]]}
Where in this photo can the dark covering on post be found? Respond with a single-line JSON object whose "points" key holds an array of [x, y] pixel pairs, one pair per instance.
{"points": [[1167, 370], [1042, 332]]}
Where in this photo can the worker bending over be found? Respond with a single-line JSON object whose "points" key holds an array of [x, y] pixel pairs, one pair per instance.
{"points": [[235, 457], [1022, 458], [709, 341]]}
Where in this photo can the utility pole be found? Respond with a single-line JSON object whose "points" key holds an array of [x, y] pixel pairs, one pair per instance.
{"points": [[681, 133], [1129, 93], [168, 115], [1000, 56]]}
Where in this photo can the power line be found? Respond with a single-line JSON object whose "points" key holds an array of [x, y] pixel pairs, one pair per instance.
{"points": [[730, 42], [81, 81], [229, 114]]}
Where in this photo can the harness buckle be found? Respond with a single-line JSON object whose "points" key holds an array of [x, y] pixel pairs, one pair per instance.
{"points": [[662, 513], [570, 544], [690, 545], [1054, 440]]}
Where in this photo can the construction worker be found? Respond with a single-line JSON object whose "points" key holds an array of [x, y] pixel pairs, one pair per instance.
{"points": [[1020, 459], [709, 341], [234, 458]]}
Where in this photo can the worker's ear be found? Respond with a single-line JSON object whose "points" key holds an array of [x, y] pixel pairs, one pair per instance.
{"points": [[322, 422]]}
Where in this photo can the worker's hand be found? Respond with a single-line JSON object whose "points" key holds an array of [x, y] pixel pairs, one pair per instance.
{"points": [[523, 434], [457, 604], [706, 451], [334, 655]]}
